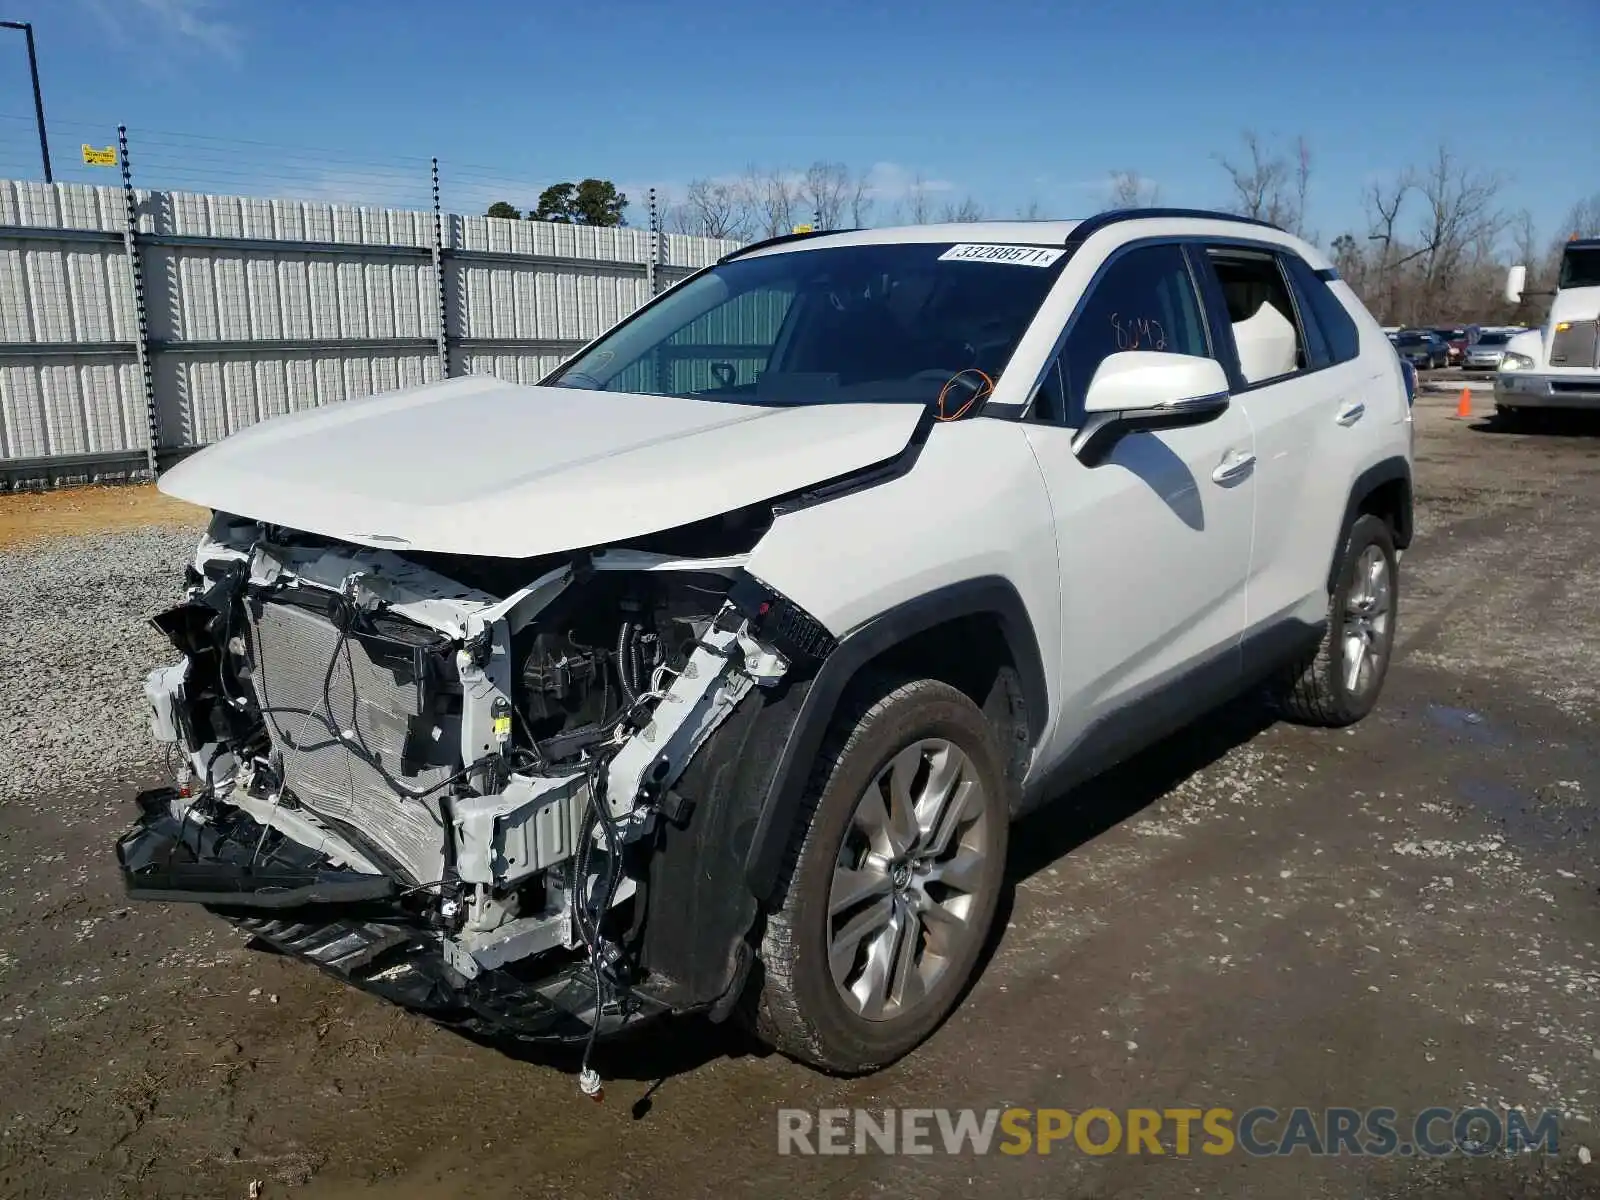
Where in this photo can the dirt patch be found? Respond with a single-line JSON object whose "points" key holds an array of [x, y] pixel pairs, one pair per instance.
{"points": [[34, 516], [1399, 914]]}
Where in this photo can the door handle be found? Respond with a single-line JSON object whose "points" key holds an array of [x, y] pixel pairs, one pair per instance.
{"points": [[1350, 413], [1235, 466]]}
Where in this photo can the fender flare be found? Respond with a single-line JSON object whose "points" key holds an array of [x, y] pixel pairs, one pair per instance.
{"points": [[989, 595], [1377, 475]]}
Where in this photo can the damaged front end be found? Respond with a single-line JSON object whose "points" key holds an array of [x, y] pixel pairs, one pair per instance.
{"points": [[510, 794]]}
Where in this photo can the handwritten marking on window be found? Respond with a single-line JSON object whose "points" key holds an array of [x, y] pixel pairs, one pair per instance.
{"points": [[1138, 333]]}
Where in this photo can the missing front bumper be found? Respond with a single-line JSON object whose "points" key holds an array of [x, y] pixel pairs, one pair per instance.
{"points": [[355, 926], [406, 966], [227, 863]]}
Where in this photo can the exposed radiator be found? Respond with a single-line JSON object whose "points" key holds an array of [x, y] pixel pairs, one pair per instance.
{"points": [[293, 647]]}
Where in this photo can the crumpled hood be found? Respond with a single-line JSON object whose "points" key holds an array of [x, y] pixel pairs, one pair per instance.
{"points": [[479, 466]]}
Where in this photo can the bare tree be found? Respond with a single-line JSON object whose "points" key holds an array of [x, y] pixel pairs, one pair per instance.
{"points": [[1350, 261], [825, 189], [1383, 204], [678, 217], [968, 210], [1439, 245], [714, 208], [918, 204], [1525, 240], [1302, 184], [1583, 220], [861, 200], [1267, 185], [772, 200], [1031, 211], [1129, 189], [1436, 245], [1461, 213]]}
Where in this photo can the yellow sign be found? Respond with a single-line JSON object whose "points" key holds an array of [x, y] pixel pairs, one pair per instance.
{"points": [[99, 158], [805, 228]]}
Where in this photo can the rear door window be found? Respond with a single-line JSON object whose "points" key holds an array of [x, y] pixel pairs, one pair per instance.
{"points": [[1266, 333]]}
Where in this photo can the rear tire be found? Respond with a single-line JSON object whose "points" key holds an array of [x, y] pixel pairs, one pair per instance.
{"points": [[885, 905], [1339, 683]]}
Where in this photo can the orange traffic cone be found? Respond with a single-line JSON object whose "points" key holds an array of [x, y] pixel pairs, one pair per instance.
{"points": [[1464, 405]]}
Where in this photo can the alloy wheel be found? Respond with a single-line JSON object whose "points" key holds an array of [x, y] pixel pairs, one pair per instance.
{"points": [[1366, 621], [904, 886]]}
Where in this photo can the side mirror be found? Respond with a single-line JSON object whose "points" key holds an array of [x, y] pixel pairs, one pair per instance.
{"points": [[1137, 391], [1516, 283]]}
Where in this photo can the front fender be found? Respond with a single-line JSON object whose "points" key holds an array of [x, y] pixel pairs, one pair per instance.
{"points": [[966, 530], [989, 596]]}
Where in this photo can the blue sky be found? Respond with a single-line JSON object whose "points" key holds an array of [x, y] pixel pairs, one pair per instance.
{"points": [[1009, 101]]}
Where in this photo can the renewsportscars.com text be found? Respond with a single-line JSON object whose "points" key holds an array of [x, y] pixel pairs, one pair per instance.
{"points": [[1259, 1131]]}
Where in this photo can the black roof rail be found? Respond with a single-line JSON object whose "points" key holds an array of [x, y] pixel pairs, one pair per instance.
{"points": [[780, 240], [1581, 243], [1092, 225], [1080, 233]]}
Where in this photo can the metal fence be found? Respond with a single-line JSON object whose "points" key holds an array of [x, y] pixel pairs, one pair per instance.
{"points": [[136, 325]]}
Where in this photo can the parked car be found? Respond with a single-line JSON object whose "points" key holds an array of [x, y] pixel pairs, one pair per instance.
{"points": [[721, 661], [1457, 338], [1422, 348], [1485, 353]]}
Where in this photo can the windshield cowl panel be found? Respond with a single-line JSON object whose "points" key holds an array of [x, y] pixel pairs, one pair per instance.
{"points": [[912, 323]]}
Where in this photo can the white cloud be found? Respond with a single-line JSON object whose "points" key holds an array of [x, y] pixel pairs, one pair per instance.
{"points": [[189, 23], [889, 182]]}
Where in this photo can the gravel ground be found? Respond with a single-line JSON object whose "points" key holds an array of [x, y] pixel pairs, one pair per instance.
{"points": [[1401, 914], [75, 645]]}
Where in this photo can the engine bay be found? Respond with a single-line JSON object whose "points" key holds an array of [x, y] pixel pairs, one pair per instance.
{"points": [[493, 765]]}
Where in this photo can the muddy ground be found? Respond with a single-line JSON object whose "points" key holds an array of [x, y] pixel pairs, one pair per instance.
{"points": [[1403, 914]]}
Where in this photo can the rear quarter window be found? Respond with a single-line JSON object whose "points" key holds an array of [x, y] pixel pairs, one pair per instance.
{"points": [[1338, 326]]}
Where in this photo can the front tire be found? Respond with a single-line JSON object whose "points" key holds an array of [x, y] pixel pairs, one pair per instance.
{"points": [[1339, 684], [891, 880]]}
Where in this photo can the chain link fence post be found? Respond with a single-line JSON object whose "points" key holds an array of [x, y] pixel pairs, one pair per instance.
{"points": [[141, 311], [443, 341]]}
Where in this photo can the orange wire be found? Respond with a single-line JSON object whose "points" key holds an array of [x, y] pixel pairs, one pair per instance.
{"points": [[978, 394]]}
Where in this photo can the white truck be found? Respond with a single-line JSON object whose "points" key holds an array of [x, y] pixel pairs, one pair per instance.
{"points": [[1557, 366]]}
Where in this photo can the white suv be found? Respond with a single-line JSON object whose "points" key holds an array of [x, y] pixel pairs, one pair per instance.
{"points": [[708, 674]]}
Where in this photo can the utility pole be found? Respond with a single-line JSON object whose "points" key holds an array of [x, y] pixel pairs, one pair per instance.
{"points": [[38, 96]]}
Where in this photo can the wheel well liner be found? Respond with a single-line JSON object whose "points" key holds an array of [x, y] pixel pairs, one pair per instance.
{"points": [[1383, 489], [988, 596]]}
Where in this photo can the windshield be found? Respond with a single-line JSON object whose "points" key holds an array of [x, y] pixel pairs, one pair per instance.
{"points": [[886, 322], [1411, 339], [1493, 339], [1580, 267]]}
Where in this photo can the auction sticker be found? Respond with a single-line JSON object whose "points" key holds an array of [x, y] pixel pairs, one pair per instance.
{"points": [[1020, 256]]}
